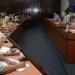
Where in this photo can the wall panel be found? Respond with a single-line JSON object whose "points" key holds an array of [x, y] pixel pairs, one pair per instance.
{"points": [[33, 7]]}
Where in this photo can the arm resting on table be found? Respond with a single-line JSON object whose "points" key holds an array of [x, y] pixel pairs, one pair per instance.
{"points": [[12, 68]]}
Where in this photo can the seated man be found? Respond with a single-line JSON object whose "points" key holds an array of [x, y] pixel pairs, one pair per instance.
{"points": [[12, 66]]}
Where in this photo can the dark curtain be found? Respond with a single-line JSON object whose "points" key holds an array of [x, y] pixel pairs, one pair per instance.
{"points": [[72, 2], [35, 8]]}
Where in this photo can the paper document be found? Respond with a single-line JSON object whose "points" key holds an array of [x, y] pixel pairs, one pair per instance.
{"points": [[4, 49], [21, 69]]}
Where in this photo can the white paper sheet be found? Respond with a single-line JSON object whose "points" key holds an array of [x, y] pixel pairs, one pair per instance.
{"points": [[21, 69], [4, 49]]}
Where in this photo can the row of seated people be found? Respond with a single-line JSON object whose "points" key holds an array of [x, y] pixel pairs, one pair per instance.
{"points": [[66, 22], [66, 18], [9, 22], [12, 66]]}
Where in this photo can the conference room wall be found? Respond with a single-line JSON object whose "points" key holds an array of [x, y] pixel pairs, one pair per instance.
{"points": [[64, 5], [50, 6], [45, 7]]}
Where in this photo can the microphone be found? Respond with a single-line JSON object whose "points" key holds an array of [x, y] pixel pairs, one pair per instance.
{"points": [[22, 59]]}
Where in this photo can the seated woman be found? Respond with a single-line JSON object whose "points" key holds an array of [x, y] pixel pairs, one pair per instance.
{"points": [[56, 17]]}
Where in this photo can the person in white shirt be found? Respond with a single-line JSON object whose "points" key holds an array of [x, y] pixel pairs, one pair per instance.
{"points": [[12, 66], [66, 18], [56, 17]]}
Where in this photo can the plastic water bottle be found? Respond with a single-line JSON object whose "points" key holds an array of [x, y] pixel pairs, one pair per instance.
{"points": [[67, 26]]}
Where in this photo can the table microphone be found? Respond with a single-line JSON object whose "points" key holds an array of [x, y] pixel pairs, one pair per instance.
{"points": [[22, 59]]}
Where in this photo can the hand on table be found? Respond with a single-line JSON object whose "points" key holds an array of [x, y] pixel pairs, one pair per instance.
{"points": [[21, 65], [9, 62]]}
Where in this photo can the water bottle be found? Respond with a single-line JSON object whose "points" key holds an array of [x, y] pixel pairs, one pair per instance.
{"points": [[67, 27]]}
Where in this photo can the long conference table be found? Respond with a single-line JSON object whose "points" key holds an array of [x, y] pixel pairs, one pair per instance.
{"points": [[31, 70], [13, 37], [64, 41]]}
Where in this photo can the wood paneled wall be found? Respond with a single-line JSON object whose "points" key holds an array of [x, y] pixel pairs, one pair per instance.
{"points": [[50, 6], [11, 5], [47, 6]]}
